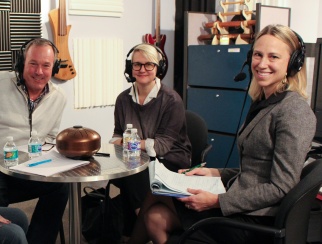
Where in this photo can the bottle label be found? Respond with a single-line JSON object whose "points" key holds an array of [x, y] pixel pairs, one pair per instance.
{"points": [[134, 145], [126, 140], [11, 155], [35, 148]]}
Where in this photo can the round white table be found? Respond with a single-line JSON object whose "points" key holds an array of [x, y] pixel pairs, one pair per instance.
{"points": [[99, 168]]}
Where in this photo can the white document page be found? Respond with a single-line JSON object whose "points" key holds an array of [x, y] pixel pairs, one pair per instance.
{"points": [[180, 182], [59, 163]]}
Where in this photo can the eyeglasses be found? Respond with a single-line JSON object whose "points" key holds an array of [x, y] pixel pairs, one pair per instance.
{"points": [[48, 146], [148, 66]]}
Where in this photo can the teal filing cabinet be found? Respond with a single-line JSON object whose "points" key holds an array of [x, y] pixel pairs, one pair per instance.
{"points": [[215, 96]]}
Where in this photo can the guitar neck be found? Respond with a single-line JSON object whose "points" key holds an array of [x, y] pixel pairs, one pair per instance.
{"points": [[157, 28], [62, 26], [57, 19]]}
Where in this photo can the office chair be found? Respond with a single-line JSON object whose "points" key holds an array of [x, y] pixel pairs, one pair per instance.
{"points": [[292, 218], [198, 136]]}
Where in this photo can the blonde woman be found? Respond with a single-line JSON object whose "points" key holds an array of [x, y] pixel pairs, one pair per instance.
{"points": [[273, 143]]}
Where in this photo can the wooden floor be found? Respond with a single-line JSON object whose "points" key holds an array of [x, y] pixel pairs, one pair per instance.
{"points": [[28, 208]]}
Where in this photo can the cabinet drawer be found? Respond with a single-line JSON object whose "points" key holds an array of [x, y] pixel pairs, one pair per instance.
{"points": [[219, 153], [216, 66], [221, 109]]}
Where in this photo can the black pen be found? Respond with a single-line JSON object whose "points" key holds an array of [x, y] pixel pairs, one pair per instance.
{"points": [[194, 167], [102, 154]]}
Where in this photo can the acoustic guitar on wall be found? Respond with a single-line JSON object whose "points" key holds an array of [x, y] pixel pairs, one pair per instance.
{"points": [[158, 39], [57, 18]]}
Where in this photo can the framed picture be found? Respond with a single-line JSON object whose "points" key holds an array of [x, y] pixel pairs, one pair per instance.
{"points": [[267, 15]]}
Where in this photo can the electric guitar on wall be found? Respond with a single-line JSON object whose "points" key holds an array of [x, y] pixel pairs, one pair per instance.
{"points": [[158, 39], [57, 18]]}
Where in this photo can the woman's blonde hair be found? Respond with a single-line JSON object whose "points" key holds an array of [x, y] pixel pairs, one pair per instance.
{"points": [[296, 82], [149, 51]]}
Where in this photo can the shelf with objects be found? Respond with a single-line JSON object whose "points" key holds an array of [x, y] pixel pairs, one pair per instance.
{"points": [[215, 55]]}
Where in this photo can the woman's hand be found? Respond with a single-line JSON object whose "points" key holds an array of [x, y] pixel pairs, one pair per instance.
{"points": [[201, 200], [118, 141], [4, 221]]}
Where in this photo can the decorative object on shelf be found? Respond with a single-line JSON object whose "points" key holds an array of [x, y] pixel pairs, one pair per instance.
{"points": [[240, 27], [60, 31]]}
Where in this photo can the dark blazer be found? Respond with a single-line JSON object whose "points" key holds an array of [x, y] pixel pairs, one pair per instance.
{"points": [[272, 148]]}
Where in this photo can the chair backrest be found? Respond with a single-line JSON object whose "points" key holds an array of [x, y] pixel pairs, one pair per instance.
{"points": [[198, 136], [294, 212]]}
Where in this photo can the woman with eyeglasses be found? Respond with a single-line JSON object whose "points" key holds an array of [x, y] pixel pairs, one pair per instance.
{"points": [[158, 113], [273, 144]]}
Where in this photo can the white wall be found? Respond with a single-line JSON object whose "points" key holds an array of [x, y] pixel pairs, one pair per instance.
{"points": [[305, 19], [137, 20]]}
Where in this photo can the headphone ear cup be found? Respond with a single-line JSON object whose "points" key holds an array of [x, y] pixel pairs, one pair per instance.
{"points": [[128, 67], [161, 68], [297, 58], [19, 64], [56, 67], [295, 63]]}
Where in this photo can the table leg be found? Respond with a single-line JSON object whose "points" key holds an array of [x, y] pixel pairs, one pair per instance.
{"points": [[75, 221]]}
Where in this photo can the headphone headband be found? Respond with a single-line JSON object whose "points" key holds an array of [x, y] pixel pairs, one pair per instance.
{"points": [[31, 41], [161, 67]]}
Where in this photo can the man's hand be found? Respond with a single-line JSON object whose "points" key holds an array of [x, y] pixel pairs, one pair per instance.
{"points": [[4, 221]]}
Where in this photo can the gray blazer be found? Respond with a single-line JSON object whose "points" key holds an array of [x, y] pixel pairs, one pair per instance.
{"points": [[272, 151]]}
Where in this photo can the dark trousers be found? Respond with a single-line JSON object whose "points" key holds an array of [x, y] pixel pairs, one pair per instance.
{"points": [[15, 232], [47, 216], [133, 190]]}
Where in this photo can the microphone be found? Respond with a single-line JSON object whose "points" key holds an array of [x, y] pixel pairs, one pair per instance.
{"points": [[241, 75], [129, 79]]}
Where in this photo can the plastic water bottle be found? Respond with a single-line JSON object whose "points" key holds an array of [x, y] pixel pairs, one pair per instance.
{"points": [[127, 135], [134, 146], [126, 138], [10, 152], [34, 145]]}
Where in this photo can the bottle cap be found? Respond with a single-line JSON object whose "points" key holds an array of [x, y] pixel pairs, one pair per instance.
{"points": [[129, 126], [33, 133], [9, 138]]}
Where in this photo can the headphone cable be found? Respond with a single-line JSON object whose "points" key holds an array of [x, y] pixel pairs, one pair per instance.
{"points": [[30, 109], [239, 123]]}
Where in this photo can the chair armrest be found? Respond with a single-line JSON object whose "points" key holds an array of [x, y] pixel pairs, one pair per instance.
{"points": [[222, 221]]}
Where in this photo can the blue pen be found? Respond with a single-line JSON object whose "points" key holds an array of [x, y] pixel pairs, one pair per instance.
{"points": [[40, 162]]}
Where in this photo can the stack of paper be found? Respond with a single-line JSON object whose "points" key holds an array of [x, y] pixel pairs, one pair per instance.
{"points": [[166, 182], [58, 163]]}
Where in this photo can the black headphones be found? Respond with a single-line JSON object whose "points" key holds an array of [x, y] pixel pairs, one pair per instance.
{"points": [[19, 66], [296, 60], [128, 64]]}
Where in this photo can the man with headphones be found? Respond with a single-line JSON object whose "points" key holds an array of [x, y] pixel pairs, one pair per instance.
{"points": [[159, 115], [30, 101]]}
